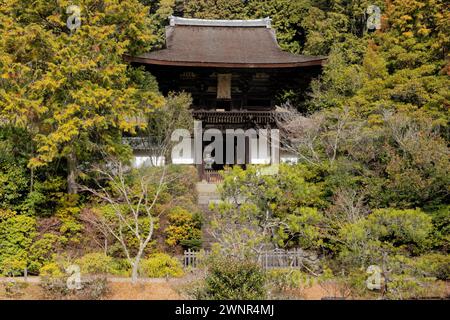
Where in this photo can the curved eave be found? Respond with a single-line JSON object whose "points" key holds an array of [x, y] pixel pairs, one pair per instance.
{"points": [[149, 61]]}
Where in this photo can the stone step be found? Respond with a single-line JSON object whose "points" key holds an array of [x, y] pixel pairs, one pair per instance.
{"points": [[206, 200], [207, 194], [203, 187]]}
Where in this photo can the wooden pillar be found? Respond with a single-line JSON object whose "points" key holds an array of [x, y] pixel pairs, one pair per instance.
{"points": [[247, 151], [201, 171]]}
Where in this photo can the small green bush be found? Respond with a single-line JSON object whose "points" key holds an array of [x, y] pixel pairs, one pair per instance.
{"points": [[287, 279], [95, 263], [235, 280], [50, 269], [194, 244], [121, 267], [160, 265], [403, 287], [184, 227], [42, 251], [434, 265], [46, 197], [67, 212], [16, 237], [13, 184]]}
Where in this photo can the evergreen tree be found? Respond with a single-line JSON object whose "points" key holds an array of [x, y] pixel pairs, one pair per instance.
{"points": [[72, 88]]}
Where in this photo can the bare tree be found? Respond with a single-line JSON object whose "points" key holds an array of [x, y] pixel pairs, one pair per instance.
{"points": [[317, 137], [348, 206], [100, 233], [130, 203]]}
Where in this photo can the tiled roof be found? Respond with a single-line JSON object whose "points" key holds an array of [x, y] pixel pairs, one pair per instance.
{"points": [[224, 43]]}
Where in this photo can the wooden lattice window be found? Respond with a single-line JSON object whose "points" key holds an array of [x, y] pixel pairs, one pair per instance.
{"points": [[187, 76]]}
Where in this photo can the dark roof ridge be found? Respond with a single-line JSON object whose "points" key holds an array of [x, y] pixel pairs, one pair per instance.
{"points": [[265, 22]]}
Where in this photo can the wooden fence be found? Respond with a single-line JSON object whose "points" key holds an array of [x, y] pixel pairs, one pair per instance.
{"points": [[212, 176], [277, 258], [191, 257]]}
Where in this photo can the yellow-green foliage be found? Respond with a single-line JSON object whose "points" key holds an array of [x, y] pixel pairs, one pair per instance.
{"points": [[182, 226], [70, 87], [388, 230], [16, 237], [400, 226], [46, 197], [160, 265], [43, 249], [51, 270], [68, 211], [95, 263], [302, 228]]}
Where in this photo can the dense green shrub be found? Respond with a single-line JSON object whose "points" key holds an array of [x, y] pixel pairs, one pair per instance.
{"points": [[120, 267], [160, 265], [50, 270], [434, 265], [42, 250], [46, 197], [13, 185], [184, 226], [400, 226], [68, 210], [403, 287], [195, 244], [385, 230], [16, 237], [95, 263], [230, 279], [441, 223]]}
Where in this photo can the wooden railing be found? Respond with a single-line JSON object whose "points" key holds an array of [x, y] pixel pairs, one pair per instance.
{"points": [[143, 143], [234, 116]]}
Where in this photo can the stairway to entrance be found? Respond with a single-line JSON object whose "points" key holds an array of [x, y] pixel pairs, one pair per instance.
{"points": [[207, 193]]}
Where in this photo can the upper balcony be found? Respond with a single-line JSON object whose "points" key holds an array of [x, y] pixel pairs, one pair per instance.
{"points": [[235, 116]]}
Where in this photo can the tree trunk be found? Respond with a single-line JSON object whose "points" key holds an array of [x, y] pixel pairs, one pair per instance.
{"points": [[105, 246], [72, 174], [135, 270], [31, 180]]}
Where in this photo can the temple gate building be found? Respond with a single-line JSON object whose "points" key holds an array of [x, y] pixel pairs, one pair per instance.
{"points": [[234, 70]]}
